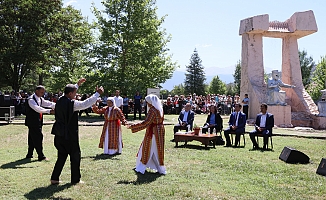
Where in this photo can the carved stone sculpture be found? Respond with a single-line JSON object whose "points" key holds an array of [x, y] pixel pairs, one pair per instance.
{"points": [[276, 96]]}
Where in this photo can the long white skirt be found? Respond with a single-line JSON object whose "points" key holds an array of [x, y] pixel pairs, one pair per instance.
{"points": [[106, 144], [152, 163]]}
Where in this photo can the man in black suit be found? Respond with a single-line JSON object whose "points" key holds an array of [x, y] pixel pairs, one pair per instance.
{"points": [[263, 125], [36, 106], [186, 119], [237, 124], [65, 129]]}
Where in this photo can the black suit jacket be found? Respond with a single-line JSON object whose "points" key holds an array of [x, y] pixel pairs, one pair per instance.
{"points": [[190, 118], [269, 122]]}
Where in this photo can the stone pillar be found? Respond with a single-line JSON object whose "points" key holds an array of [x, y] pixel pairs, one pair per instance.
{"points": [[252, 71], [297, 97]]}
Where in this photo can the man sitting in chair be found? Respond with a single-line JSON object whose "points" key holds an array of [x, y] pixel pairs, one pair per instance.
{"points": [[237, 123], [263, 125], [213, 121], [186, 119]]}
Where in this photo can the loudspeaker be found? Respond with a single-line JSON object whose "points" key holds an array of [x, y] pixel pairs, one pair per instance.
{"points": [[5, 100], [290, 155], [321, 170]]}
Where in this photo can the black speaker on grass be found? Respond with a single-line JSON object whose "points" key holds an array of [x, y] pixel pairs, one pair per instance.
{"points": [[321, 170], [290, 155]]}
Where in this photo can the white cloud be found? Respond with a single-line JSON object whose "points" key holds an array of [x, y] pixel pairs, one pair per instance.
{"points": [[70, 2]]}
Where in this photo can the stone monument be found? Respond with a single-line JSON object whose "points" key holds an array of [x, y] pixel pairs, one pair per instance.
{"points": [[275, 95], [300, 109]]}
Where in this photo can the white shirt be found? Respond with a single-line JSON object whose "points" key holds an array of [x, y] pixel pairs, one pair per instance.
{"points": [[82, 105], [185, 116], [118, 101], [263, 121], [39, 106]]}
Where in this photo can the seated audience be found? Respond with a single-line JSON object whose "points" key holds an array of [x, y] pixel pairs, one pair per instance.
{"points": [[263, 125], [237, 123], [213, 121]]}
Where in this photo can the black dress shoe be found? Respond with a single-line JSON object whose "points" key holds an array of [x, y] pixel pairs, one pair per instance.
{"points": [[256, 147], [29, 156], [172, 140], [228, 145]]}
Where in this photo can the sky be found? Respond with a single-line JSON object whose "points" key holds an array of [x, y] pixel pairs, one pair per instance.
{"points": [[212, 27]]}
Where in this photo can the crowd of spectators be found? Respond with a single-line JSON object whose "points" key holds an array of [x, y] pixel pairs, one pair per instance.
{"points": [[201, 103]]}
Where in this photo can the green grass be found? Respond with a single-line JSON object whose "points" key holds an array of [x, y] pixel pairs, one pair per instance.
{"points": [[193, 172]]}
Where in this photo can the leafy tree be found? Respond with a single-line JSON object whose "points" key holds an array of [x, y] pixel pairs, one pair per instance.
{"points": [[195, 76], [131, 53], [318, 80], [307, 64], [24, 27], [217, 86], [178, 90], [230, 89], [164, 93], [237, 77]]}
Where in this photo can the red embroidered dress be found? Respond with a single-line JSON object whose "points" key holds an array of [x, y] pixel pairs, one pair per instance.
{"points": [[154, 126], [112, 123]]}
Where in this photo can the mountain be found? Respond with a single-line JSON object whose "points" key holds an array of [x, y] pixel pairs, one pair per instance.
{"points": [[179, 77]]}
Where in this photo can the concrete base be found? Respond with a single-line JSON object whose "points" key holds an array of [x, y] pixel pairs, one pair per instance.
{"points": [[282, 115], [322, 108]]}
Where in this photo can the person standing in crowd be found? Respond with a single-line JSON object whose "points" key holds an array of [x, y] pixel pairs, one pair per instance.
{"points": [[137, 105], [65, 129], [264, 125], [151, 151], [245, 103], [237, 124], [118, 100], [177, 104], [111, 137], [125, 105], [36, 106]]}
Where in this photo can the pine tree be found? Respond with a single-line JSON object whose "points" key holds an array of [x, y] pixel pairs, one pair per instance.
{"points": [[217, 86], [237, 77], [195, 76]]}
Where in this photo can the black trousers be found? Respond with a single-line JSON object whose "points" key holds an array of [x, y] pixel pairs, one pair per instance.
{"points": [[126, 111], [253, 135], [65, 148], [35, 140], [245, 110], [137, 108], [227, 133]]}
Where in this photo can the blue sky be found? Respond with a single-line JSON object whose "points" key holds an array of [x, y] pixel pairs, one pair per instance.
{"points": [[212, 27]]}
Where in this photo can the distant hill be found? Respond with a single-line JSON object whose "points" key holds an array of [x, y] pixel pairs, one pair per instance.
{"points": [[179, 77]]}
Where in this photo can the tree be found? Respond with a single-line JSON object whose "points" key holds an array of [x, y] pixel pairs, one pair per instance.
{"points": [[195, 76], [237, 77], [307, 64], [217, 86], [178, 90], [318, 80], [230, 89], [131, 53], [24, 26]]}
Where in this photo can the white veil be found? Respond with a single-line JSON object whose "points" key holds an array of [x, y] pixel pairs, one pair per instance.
{"points": [[112, 100], [155, 101]]}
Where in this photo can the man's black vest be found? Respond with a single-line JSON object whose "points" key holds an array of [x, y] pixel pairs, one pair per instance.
{"points": [[66, 120], [33, 118]]}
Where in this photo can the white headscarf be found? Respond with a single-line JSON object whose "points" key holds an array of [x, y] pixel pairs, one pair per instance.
{"points": [[112, 100], [155, 101]]}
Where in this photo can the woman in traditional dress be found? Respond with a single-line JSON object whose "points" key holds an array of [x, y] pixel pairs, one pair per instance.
{"points": [[151, 151], [111, 137]]}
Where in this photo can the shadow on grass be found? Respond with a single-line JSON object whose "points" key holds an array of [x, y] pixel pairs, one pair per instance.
{"points": [[146, 178], [103, 157], [47, 192], [262, 150], [16, 164], [191, 146]]}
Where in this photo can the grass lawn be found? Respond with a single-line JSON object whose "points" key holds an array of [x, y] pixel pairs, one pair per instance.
{"points": [[193, 172]]}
